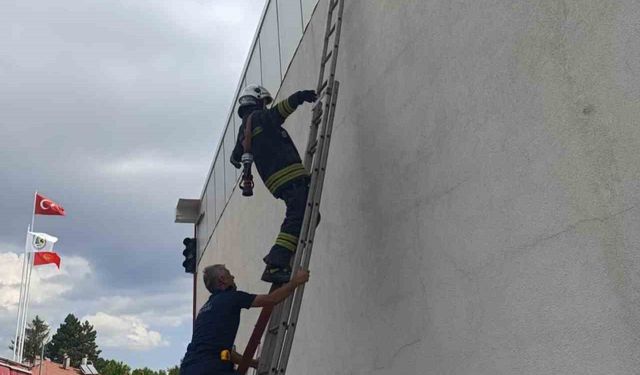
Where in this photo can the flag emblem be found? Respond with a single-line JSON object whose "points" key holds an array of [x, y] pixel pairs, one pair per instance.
{"points": [[39, 242], [45, 204]]}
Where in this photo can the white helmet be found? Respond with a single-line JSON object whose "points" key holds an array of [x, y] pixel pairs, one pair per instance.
{"points": [[252, 93]]}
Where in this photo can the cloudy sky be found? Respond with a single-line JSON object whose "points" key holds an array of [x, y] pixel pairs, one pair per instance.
{"points": [[113, 109]]}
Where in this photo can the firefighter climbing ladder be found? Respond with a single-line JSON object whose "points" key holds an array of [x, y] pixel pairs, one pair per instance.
{"points": [[282, 319]]}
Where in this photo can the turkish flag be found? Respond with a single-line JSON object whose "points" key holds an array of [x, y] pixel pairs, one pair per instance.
{"points": [[45, 206], [46, 257]]}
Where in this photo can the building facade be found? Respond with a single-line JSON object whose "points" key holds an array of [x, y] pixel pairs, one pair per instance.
{"points": [[480, 210]]}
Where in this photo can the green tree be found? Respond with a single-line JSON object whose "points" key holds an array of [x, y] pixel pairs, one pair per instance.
{"points": [[112, 367], [144, 371], [175, 370], [75, 339], [36, 332], [87, 343]]}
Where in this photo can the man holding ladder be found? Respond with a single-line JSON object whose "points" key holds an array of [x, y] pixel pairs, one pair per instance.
{"points": [[214, 332]]}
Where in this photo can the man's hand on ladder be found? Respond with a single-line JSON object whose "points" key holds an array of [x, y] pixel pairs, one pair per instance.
{"points": [[278, 295], [301, 277], [308, 96]]}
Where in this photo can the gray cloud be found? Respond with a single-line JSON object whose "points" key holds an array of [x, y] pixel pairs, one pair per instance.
{"points": [[114, 109]]}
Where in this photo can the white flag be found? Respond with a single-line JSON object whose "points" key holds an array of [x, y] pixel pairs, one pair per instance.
{"points": [[40, 241]]}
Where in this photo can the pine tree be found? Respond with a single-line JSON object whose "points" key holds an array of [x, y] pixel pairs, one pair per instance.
{"points": [[37, 331], [88, 346], [74, 339], [65, 339]]}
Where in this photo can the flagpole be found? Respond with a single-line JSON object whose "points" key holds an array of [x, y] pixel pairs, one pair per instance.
{"points": [[23, 306], [29, 260], [26, 303], [33, 212], [21, 299], [26, 306]]}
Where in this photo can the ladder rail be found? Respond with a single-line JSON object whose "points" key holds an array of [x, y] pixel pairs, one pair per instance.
{"points": [[302, 243], [327, 123], [281, 326], [307, 229], [306, 239], [297, 303], [277, 321], [326, 42], [322, 84], [336, 43]]}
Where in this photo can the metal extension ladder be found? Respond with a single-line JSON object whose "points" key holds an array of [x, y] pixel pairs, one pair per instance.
{"points": [[282, 319]]}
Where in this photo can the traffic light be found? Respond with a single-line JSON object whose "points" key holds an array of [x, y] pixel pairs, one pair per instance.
{"points": [[189, 253]]}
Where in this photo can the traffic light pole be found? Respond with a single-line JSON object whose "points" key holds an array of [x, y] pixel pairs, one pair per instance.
{"points": [[195, 282]]}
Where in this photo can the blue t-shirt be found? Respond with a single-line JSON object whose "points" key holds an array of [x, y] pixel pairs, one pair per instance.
{"points": [[216, 325]]}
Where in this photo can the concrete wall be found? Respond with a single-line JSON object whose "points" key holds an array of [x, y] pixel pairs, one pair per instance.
{"points": [[480, 213]]}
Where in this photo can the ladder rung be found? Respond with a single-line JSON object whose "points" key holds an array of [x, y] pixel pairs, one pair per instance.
{"points": [[331, 32], [317, 113], [324, 84], [333, 5], [318, 106], [312, 149], [326, 58]]}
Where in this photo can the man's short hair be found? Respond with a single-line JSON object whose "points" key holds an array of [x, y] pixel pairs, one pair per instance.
{"points": [[210, 276]]}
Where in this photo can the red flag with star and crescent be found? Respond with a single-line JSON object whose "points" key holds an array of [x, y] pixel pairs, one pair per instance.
{"points": [[45, 206], [46, 257]]}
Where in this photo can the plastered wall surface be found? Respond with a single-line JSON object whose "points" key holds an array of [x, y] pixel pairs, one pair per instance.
{"points": [[481, 210]]}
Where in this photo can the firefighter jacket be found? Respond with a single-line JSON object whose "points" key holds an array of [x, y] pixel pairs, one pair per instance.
{"points": [[275, 155]]}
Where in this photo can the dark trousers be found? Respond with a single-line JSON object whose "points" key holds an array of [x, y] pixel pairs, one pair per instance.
{"points": [[295, 197]]}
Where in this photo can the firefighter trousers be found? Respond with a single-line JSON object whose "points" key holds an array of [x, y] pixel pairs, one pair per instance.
{"points": [[295, 197]]}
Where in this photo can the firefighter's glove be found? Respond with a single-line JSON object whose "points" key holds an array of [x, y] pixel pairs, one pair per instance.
{"points": [[235, 163], [308, 96]]}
